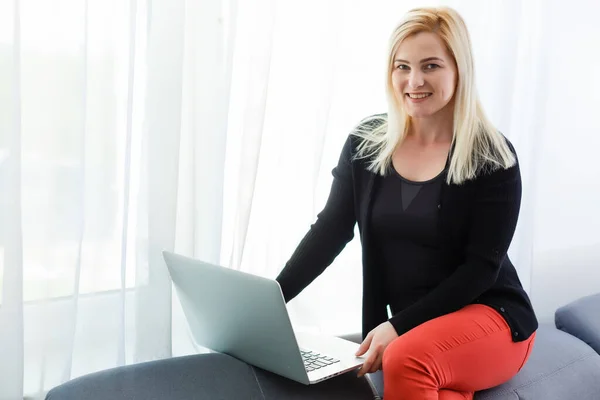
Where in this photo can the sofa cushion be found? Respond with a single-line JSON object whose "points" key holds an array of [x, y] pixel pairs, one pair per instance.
{"points": [[581, 319], [560, 367]]}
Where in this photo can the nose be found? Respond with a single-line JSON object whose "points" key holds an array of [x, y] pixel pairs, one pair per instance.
{"points": [[415, 79]]}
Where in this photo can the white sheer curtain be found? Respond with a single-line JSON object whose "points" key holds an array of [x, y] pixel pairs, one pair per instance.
{"points": [[109, 113], [211, 128]]}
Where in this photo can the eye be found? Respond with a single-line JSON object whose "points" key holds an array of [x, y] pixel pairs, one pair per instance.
{"points": [[402, 67], [431, 66]]}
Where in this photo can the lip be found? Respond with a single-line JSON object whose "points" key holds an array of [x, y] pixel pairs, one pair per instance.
{"points": [[416, 100]]}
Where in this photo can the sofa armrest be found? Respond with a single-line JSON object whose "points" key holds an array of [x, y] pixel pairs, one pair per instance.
{"points": [[581, 319], [204, 376]]}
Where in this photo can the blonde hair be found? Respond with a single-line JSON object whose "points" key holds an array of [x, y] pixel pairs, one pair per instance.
{"points": [[475, 141]]}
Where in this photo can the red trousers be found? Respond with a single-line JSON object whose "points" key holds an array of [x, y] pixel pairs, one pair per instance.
{"points": [[453, 356]]}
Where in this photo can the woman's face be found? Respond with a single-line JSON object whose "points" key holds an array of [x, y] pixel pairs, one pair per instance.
{"points": [[424, 75]]}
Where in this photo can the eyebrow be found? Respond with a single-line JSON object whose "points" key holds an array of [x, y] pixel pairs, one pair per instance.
{"points": [[422, 61]]}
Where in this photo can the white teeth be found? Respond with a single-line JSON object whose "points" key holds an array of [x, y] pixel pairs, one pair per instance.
{"points": [[419, 96]]}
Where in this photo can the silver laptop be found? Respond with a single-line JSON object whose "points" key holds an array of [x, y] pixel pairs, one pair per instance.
{"points": [[245, 316]]}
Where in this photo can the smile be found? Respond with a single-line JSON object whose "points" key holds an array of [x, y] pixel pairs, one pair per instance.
{"points": [[418, 96]]}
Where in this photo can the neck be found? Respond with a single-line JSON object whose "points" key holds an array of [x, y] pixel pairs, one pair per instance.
{"points": [[437, 128]]}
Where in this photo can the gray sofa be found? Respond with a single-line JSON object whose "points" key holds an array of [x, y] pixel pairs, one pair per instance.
{"points": [[564, 365]]}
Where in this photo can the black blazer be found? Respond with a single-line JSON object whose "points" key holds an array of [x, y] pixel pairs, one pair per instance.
{"points": [[477, 221]]}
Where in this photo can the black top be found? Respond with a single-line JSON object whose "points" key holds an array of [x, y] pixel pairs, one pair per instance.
{"points": [[406, 237], [476, 223]]}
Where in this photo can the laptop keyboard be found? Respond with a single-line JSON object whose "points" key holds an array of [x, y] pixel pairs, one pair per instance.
{"points": [[314, 360]]}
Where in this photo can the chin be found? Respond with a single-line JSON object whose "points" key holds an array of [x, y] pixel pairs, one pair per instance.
{"points": [[423, 112], [420, 114]]}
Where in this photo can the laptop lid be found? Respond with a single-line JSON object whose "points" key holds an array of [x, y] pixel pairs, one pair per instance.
{"points": [[216, 303]]}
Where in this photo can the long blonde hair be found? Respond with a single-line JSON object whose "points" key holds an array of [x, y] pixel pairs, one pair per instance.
{"points": [[475, 142]]}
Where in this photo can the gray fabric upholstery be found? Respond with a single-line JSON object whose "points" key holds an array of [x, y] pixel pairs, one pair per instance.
{"points": [[560, 367], [207, 377], [343, 387], [376, 380], [581, 319]]}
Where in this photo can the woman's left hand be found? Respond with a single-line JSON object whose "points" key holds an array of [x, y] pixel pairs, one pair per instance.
{"points": [[376, 342]]}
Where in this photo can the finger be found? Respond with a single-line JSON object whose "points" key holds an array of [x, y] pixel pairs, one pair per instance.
{"points": [[375, 357], [363, 369], [376, 366], [367, 365], [364, 345]]}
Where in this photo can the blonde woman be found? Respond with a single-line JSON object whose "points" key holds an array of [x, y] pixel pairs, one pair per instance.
{"points": [[436, 191]]}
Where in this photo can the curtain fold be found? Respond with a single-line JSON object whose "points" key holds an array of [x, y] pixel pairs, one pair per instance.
{"points": [[11, 229]]}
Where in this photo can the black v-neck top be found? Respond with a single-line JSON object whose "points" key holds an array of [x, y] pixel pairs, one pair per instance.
{"points": [[406, 237]]}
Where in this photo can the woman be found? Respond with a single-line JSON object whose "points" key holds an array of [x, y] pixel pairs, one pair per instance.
{"points": [[435, 190]]}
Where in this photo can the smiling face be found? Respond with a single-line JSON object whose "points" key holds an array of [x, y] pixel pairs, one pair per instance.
{"points": [[424, 75]]}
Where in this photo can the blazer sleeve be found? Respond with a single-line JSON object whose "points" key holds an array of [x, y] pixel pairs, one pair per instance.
{"points": [[495, 211], [328, 236]]}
